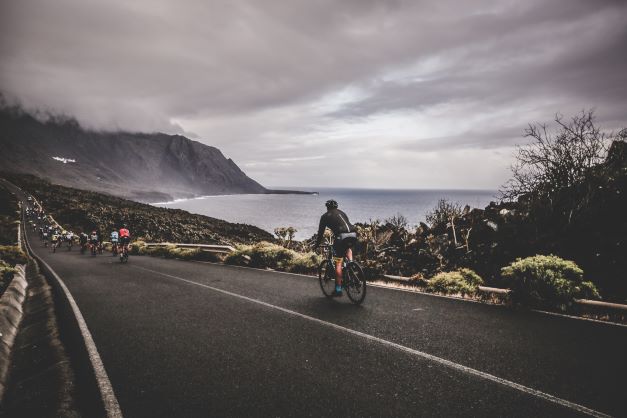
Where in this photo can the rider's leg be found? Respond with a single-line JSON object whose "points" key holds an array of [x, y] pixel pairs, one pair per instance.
{"points": [[338, 276], [338, 273]]}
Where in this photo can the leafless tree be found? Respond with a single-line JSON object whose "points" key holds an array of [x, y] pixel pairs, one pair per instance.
{"points": [[444, 212], [553, 162]]}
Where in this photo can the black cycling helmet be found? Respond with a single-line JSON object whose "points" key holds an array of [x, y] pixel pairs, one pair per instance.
{"points": [[331, 204]]}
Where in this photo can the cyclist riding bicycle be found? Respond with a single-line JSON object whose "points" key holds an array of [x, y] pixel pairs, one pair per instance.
{"points": [[93, 238], [55, 239], [114, 239], [82, 239], [125, 237], [345, 238]]}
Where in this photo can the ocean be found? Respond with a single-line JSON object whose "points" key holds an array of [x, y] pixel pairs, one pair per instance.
{"points": [[303, 211]]}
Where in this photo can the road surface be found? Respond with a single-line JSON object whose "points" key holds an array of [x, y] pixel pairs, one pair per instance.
{"points": [[196, 339]]}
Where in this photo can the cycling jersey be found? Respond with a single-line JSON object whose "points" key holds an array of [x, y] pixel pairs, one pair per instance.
{"points": [[343, 232], [114, 236], [124, 233], [93, 238], [337, 221]]}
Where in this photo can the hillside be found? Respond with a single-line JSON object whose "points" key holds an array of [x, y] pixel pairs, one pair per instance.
{"points": [[139, 166], [80, 210]]}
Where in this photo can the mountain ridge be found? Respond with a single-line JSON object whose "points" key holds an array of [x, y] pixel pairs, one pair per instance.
{"points": [[139, 166]]}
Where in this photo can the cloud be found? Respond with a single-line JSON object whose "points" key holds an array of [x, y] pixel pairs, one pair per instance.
{"points": [[284, 82]]}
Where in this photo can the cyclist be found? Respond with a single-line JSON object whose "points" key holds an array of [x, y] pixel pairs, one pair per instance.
{"points": [[55, 240], [125, 237], [82, 239], [114, 242], [94, 241], [345, 238], [69, 237]]}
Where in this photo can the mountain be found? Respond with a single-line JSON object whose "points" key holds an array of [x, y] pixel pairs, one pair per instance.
{"points": [[139, 166]]}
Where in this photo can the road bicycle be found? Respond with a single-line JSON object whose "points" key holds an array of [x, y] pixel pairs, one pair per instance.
{"points": [[353, 277], [93, 248], [124, 253]]}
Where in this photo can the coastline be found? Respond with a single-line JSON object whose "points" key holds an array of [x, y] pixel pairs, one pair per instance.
{"points": [[269, 192]]}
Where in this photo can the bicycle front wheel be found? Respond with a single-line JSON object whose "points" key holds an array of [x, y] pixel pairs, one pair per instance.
{"points": [[356, 283], [326, 276]]}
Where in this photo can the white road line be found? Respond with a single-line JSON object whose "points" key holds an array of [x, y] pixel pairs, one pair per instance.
{"points": [[444, 362]]}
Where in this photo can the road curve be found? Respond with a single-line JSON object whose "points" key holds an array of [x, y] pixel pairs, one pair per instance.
{"points": [[196, 339]]}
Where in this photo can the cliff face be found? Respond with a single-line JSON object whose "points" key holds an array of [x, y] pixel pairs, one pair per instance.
{"points": [[144, 167]]}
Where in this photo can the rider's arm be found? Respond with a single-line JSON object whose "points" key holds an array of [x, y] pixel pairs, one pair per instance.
{"points": [[321, 228]]}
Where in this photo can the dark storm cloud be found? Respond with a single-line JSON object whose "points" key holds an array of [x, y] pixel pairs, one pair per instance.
{"points": [[580, 59], [289, 79]]}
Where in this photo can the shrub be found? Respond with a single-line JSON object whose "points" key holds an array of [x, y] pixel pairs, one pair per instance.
{"points": [[12, 254], [240, 256], [463, 281], [443, 212], [268, 255], [546, 281], [165, 251], [192, 254], [6, 272], [304, 263], [137, 248]]}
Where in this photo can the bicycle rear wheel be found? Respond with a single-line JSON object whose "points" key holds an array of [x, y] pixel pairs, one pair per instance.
{"points": [[326, 276], [355, 283]]}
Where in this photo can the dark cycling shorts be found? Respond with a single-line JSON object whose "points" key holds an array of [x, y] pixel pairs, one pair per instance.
{"points": [[125, 240], [343, 242]]}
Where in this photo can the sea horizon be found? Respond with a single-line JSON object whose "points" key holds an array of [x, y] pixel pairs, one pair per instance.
{"points": [[302, 211]]}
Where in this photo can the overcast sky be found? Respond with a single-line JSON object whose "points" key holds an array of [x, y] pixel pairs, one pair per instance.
{"points": [[360, 93]]}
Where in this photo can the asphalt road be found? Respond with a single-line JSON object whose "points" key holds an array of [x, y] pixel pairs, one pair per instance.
{"points": [[196, 339]]}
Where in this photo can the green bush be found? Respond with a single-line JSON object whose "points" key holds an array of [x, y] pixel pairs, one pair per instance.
{"points": [[546, 281], [171, 251], [6, 271], [268, 255], [463, 281], [193, 254], [137, 248], [6, 275], [303, 263], [12, 254]]}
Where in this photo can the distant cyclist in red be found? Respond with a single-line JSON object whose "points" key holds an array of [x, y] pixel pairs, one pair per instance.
{"points": [[125, 237]]}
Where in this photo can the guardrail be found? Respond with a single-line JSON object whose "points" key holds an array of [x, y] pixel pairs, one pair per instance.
{"points": [[500, 291], [220, 249]]}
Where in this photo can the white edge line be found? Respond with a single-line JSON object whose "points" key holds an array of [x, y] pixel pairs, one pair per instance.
{"points": [[111, 405], [396, 289], [439, 360]]}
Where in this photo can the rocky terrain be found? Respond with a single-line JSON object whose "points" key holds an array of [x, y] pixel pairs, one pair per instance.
{"points": [[80, 210], [8, 216], [145, 167]]}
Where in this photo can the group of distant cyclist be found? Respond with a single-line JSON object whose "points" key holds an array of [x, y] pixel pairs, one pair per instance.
{"points": [[54, 236], [337, 272]]}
